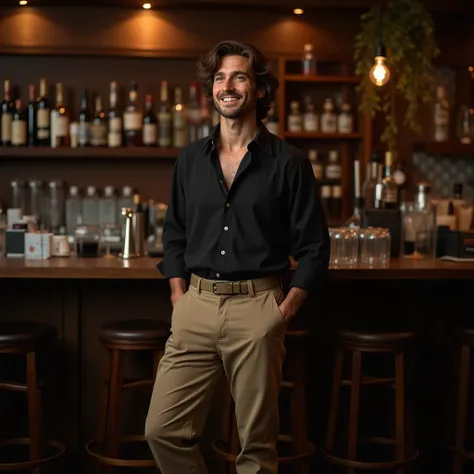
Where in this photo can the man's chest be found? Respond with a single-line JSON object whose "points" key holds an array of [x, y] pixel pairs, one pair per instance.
{"points": [[230, 164]]}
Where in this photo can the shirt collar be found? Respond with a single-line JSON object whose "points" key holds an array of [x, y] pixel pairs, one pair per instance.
{"points": [[263, 140]]}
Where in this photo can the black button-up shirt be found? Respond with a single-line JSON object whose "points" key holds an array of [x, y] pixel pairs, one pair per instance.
{"points": [[271, 211]]}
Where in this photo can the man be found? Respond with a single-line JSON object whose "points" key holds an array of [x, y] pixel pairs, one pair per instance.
{"points": [[241, 202]]}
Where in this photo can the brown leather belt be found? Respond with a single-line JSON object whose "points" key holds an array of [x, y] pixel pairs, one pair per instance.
{"points": [[240, 287]]}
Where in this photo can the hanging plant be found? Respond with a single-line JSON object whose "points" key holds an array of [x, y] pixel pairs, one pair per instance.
{"points": [[407, 32]]}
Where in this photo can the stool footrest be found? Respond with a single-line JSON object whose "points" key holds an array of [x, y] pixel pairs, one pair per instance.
{"points": [[224, 453], [28, 465], [368, 464], [92, 450]]}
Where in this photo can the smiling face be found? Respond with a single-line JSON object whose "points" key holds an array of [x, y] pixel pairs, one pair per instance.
{"points": [[234, 89]]}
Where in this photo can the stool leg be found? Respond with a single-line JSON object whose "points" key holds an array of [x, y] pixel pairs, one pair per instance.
{"points": [[298, 407], [400, 451], [104, 407], [354, 408], [336, 388], [34, 408], [115, 390], [462, 408]]}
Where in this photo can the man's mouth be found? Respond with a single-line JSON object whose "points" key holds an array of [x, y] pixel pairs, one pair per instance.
{"points": [[229, 98]]}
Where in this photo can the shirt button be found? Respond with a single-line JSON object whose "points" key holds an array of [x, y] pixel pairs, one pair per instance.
{"points": [[222, 252], [227, 204], [218, 275], [226, 228]]}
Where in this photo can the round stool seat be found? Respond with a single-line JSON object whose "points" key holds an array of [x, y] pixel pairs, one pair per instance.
{"points": [[25, 334], [377, 338], [134, 331]]}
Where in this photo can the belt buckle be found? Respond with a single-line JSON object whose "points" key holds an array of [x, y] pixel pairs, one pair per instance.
{"points": [[222, 288]]}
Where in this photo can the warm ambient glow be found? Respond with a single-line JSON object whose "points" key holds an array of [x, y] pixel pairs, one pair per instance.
{"points": [[298, 11], [23, 2], [147, 6], [379, 73]]}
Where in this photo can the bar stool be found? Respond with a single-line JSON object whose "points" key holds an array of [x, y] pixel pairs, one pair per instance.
{"points": [[294, 380], [27, 339], [356, 343], [464, 340], [119, 338]]}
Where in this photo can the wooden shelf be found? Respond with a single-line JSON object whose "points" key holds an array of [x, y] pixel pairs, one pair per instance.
{"points": [[445, 148], [148, 153], [323, 136], [322, 79]]}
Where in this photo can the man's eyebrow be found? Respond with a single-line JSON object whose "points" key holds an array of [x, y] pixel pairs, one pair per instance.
{"points": [[233, 73]]}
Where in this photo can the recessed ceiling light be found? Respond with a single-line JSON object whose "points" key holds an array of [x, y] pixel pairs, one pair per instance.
{"points": [[23, 2], [298, 11], [147, 6]]}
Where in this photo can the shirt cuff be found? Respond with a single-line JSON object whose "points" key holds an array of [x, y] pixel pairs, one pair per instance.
{"points": [[172, 269]]}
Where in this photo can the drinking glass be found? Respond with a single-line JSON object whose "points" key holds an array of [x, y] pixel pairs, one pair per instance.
{"points": [[344, 246], [109, 234], [374, 245], [418, 232]]}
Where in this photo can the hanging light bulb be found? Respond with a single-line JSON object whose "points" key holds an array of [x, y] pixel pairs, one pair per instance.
{"points": [[379, 73]]}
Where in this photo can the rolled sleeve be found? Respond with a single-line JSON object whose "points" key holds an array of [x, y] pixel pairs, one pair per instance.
{"points": [[309, 230], [174, 228]]}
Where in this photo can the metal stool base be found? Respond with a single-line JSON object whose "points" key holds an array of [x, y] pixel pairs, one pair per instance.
{"points": [[28, 465]]}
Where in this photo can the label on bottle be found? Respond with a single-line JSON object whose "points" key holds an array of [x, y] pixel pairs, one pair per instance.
{"points": [[6, 127], [114, 138], [98, 134], [150, 134], [115, 124], [310, 123], [179, 138], [333, 171], [84, 133], [19, 132], [328, 123], [295, 123], [132, 120], [61, 126], [345, 123], [164, 129], [43, 122], [194, 116], [389, 195]]}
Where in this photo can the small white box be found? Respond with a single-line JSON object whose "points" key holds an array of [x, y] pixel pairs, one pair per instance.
{"points": [[38, 246]]}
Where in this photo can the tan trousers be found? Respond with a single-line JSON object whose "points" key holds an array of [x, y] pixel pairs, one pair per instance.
{"points": [[242, 335]]}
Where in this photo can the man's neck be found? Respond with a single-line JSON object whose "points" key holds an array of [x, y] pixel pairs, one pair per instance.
{"points": [[235, 135]]}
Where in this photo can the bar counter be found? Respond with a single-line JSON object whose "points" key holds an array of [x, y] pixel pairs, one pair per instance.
{"points": [[145, 269], [78, 295]]}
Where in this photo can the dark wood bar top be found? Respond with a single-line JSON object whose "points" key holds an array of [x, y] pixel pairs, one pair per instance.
{"points": [[145, 269]]}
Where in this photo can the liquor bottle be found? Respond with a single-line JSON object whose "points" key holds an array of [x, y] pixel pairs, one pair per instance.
{"points": [[310, 118], [43, 117], [295, 119], [271, 121], [355, 220], [206, 121], [164, 117], [6, 109], [98, 126], [114, 136], [19, 125], [84, 120], [372, 176], [336, 202], [31, 116], [328, 118], [194, 113], [59, 120], [150, 123], [309, 65], [133, 118], [316, 164], [345, 121], [179, 120], [333, 168], [389, 187]]}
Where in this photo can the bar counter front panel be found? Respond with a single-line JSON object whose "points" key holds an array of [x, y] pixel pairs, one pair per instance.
{"points": [[78, 296]]}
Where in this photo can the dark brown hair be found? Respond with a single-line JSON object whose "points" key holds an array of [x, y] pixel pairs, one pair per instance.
{"points": [[210, 63]]}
